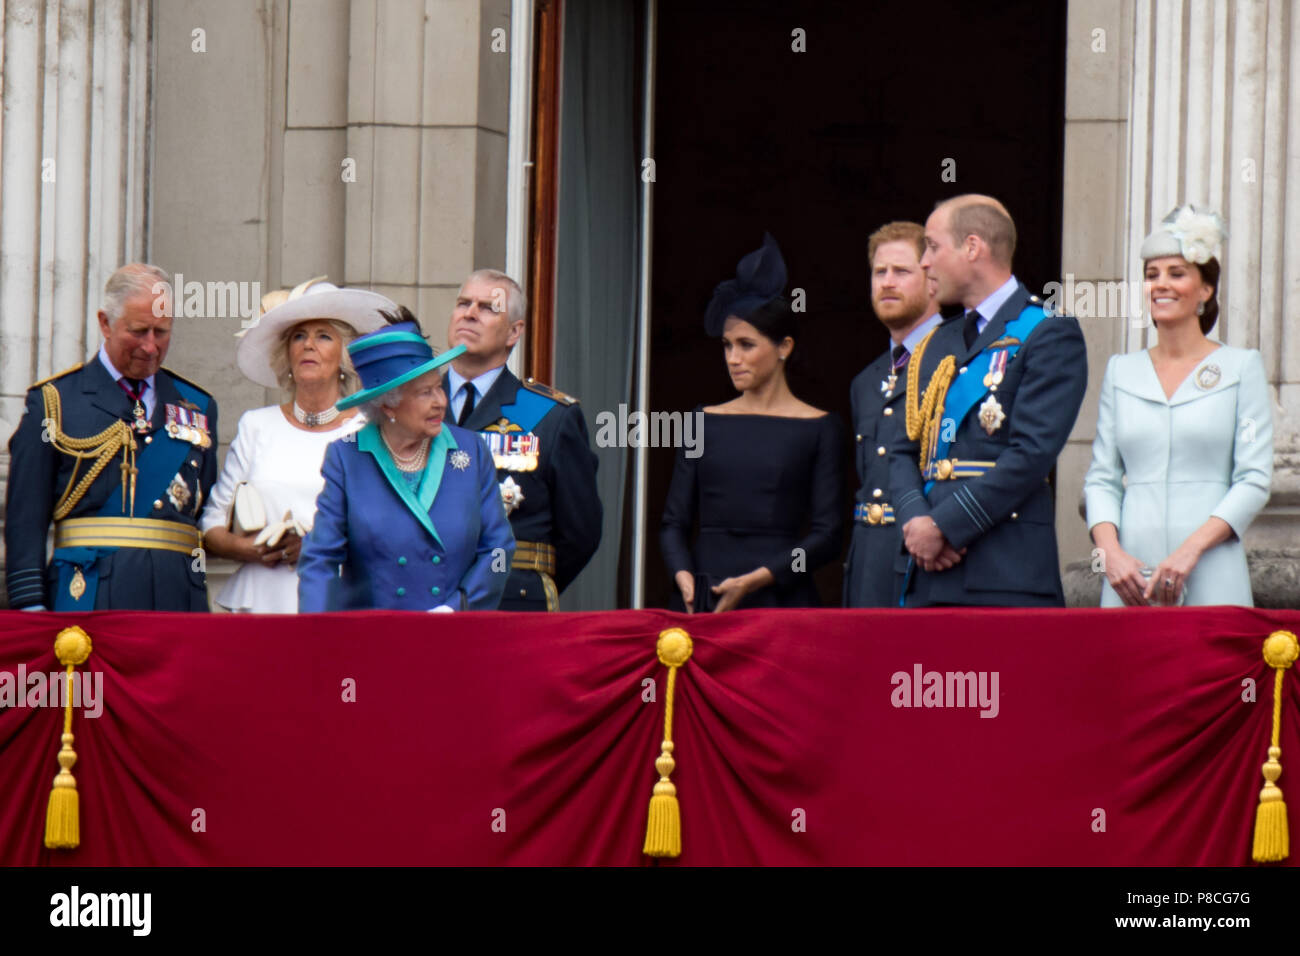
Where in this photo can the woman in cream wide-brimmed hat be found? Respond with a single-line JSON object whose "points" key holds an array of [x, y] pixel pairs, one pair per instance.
{"points": [[299, 344]]}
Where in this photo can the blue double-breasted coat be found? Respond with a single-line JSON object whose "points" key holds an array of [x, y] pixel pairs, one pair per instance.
{"points": [[378, 543]]}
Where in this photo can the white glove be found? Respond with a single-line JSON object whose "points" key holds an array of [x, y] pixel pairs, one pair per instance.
{"points": [[272, 533], [442, 609]]}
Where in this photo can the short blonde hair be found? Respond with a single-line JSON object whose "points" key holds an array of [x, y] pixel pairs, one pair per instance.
{"points": [[280, 357]]}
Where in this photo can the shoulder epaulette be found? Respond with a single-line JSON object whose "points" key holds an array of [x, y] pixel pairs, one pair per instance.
{"points": [[187, 381], [66, 371], [546, 391]]}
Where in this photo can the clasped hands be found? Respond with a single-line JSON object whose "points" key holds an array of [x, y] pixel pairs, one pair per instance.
{"points": [[926, 543], [287, 548], [1165, 585], [730, 592]]}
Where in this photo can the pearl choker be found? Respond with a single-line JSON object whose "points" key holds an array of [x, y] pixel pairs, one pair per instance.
{"points": [[312, 419]]}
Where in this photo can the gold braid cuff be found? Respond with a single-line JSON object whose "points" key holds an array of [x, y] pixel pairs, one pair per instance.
{"points": [[1272, 839], [102, 447], [925, 417]]}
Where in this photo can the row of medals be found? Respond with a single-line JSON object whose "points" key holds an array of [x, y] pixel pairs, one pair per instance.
{"points": [[177, 491], [190, 433], [991, 415]]}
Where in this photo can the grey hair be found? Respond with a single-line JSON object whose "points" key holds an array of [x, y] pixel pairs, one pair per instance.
{"points": [[279, 358], [133, 279], [516, 301], [377, 408]]}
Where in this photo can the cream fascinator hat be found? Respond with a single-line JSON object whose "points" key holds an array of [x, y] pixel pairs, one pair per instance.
{"points": [[1193, 232]]}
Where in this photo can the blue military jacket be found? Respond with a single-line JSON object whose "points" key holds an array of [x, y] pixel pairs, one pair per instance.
{"points": [[543, 437], [869, 576], [174, 475], [378, 543], [1005, 518]]}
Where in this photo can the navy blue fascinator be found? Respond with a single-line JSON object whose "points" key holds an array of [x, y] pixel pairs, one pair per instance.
{"points": [[760, 278]]}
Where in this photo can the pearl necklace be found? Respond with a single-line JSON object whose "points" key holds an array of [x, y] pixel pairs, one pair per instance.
{"points": [[312, 419], [413, 462]]}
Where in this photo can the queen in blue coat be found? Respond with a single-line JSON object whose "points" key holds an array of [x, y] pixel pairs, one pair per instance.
{"points": [[411, 516]]}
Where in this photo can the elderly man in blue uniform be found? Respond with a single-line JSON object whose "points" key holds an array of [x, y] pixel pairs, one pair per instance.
{"points": [[538, 440], [990, 402], [903, 300], [118, 452]]}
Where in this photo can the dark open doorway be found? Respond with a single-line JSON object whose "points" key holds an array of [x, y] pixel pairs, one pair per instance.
{"points": [[820, 148]]}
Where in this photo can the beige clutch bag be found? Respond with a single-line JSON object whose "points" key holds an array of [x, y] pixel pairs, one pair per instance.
{"points": [[247, 510]]}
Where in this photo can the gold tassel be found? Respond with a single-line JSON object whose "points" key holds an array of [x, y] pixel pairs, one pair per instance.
{"points": [[62, 828], [663, 832], [1272, 840]]}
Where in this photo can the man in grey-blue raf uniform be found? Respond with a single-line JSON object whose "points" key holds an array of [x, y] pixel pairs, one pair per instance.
{"points": [[991, 399], [118, 452]]}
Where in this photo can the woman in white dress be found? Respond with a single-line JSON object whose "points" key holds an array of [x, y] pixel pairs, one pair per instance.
{"points": [[1183, 457], [298, 344]]}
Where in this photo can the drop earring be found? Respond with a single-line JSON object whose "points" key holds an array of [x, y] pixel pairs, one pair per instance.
{"points": [[1200, 308]]}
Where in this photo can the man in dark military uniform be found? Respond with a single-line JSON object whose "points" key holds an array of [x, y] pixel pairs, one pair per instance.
{"points": [[902, 298], [538, 438], [991, 399], [118, 453]]}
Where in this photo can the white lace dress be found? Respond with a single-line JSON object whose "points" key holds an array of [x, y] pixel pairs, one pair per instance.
{"points": [[283, 463]]}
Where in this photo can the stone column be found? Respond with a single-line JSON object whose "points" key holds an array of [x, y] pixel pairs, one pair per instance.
{"points": [[72, 180], [1098, 57], [427, 116], [1219, 108], [1213, 117]]}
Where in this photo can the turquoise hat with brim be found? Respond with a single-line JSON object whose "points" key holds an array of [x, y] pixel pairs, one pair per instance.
{"points": [[390, 357]]}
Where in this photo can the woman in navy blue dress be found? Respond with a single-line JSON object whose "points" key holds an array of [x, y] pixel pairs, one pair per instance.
{"points": [[766, 491]]}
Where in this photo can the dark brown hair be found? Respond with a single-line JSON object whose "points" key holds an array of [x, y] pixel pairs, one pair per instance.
{"points": [[401, 314], [1209, 271]]}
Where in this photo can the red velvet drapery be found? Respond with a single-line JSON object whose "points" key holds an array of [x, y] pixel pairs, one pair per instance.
{"points": [[497, 738]]}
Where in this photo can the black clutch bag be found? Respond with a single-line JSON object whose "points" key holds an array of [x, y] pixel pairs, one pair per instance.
{"points": [[705, 599]]}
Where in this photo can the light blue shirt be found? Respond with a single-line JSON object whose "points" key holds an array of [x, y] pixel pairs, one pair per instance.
{"points": [[150, 397], [457, 382], [912, 339], [989, 307]]}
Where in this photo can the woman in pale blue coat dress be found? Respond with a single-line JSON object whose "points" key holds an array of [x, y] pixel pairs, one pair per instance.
{"points": [[1183, 457]]}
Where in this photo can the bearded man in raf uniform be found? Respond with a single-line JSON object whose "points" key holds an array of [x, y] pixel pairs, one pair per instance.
{"points": [[903, 300], [118, 453]]}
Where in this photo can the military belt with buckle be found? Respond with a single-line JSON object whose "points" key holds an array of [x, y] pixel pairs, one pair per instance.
{"points": [[127, 533], [535, 556], [946, 469], [874, 512]]}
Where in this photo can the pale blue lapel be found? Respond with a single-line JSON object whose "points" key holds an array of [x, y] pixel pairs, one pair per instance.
{"points": [[369, 440]]}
